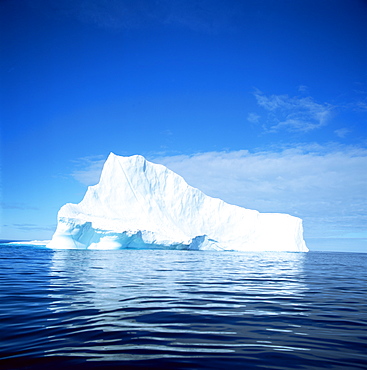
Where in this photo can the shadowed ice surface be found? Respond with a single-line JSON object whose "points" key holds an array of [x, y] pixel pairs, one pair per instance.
{"points": [[176, 309]]}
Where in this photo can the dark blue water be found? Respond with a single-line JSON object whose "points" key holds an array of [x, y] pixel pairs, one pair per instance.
{"points": [[182, 309]]}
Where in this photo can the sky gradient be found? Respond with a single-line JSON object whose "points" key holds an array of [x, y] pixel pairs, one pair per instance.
{"points": [[262, 103]]}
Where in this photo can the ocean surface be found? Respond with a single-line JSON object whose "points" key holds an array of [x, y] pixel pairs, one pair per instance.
{"points": [[66, 309]]}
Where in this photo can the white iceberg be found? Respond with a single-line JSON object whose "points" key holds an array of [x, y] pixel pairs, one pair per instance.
{"points": [[141, 205]]}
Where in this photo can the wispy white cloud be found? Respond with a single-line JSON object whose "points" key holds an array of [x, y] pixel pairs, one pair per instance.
{"points": [[324, 185], [301, 114], [17, 206], [342, 132], [361, 105], [253, 118], [88, 169], [30, 227], [302, 88]]}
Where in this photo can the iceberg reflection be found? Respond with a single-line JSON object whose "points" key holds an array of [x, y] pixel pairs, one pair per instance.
{"points": [[127, 302], [105, 279]]}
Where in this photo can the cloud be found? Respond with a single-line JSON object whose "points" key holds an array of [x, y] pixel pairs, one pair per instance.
{"points": [[342, 132], [253, 118], [18, 206], [88, 169], [31, 227], [324, 185], [300, 114], [302, 88], [361, 105]]}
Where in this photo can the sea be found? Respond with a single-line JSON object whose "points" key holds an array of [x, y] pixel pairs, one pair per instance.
{"points": [[165, 309]]}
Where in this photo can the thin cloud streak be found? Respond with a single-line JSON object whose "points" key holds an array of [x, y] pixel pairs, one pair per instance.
{"points": [[300, 114], [342, 132], [17, 206], [253, 118], [31, 227], [88, 169]]}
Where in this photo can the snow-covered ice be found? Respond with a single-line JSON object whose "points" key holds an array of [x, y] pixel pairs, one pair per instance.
{"points": [[141, 205]]}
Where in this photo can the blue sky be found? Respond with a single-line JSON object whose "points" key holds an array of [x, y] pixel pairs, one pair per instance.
{"points": [[262, 103]]}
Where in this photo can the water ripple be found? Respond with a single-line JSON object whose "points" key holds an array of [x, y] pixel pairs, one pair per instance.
{"points": [[178, 309]]}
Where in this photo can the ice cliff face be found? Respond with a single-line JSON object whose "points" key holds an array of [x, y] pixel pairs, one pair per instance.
{"points": [[139, 204]]}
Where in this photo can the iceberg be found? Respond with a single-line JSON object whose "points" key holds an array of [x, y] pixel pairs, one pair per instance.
{"points": [[138, 204]]}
